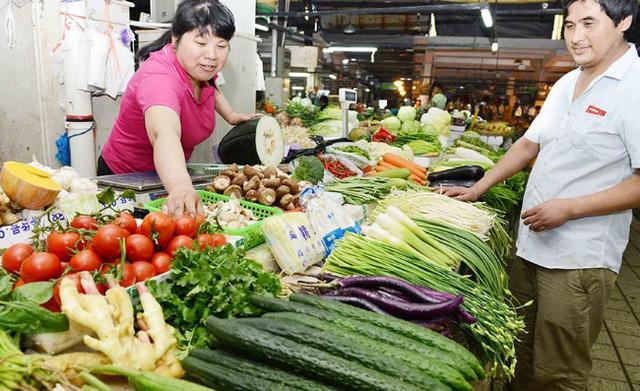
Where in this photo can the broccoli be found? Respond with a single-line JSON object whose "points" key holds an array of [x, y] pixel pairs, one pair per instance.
{"points": [[309, 168]]}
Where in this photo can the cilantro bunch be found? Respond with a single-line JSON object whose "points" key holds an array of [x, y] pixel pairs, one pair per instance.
{"points": [[210, 282]]}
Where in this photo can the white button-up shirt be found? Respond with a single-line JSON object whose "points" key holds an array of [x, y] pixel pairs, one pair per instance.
{"points": [[586, 146]]}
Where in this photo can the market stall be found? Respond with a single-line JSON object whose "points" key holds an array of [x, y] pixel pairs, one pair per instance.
{"points": [[338, 265]]}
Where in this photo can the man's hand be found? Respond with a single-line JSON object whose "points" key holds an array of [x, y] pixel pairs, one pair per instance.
{"points": [[459, 193], [548, 215]]}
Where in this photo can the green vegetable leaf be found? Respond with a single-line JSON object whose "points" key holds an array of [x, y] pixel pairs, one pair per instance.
{"points": [[28, 317], [128, 194], [37, 292], [6, 286], [106, 196]]}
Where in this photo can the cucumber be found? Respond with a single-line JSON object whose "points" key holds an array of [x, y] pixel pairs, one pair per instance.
{"points": [[365, 353], [395, 173], [408, 329], [468, 369], [434, 365], [289, 355], [222, 378], [258, 370]]}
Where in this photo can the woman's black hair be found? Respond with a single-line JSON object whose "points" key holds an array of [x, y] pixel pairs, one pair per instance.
{"points": [[208, 16], [616, 10]]}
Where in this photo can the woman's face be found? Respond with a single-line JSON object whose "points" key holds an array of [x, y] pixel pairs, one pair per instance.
{"points": [[201, 56]]}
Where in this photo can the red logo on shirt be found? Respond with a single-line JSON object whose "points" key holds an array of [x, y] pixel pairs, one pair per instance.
{"points": [[596, 110]]}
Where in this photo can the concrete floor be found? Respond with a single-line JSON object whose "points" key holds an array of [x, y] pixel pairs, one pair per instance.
{"points": [[616, 365]]}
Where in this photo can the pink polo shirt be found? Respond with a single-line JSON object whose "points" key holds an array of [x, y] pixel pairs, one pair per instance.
{"points": [[160, 81]]}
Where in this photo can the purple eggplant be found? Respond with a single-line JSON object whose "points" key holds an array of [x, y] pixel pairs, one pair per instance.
{"points": [[439, 295], [409, 311], [465, 317], [357, 302], [413, 292]]}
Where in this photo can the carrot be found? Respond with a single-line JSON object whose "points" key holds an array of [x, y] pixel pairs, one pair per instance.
{"points": [[413, 170], [404, 163], [370, 173], [384, 165], [417, 179]]}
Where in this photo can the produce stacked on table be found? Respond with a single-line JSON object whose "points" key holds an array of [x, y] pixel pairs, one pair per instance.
{"points": [[267, 186], [311, 343]]}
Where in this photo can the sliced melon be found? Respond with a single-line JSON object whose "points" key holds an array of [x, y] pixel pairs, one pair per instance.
{"points": [[269, 141], [29, 187]]}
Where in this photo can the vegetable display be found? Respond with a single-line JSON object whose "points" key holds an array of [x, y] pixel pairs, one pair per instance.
{"points": [[212, 281]]}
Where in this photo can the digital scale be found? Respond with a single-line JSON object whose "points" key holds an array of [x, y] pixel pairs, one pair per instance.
{"points": [[147, 185], [346, 97]]}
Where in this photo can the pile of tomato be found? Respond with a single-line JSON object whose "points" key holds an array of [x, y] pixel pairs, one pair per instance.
{"points": [[87, 246]]}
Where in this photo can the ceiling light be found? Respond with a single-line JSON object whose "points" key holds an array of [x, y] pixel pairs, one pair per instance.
{"points": [[432, 26], [333, 77], [494, 46], [345, 61], [354, 49], [297, 88], [485, 13], [558, 21], [349, 29], [367, 90], [397, 83], [299, 74]]}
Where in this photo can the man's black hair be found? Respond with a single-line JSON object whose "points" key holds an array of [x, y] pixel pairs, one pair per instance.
{"points": [[616, 10]]}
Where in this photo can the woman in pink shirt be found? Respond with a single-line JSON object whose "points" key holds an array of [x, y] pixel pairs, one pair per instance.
{"points": [[170, 103]]}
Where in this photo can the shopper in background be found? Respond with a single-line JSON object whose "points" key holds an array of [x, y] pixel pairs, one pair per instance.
{"points": [[324, 102], [576, 210], [170, 103]]}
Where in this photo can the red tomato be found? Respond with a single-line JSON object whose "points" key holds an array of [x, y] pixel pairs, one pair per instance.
{"points": [[126, 221], [186, 225], [106, 242], [20, 282], [87, 260], [84, 222], [205, 240], [128, 275], [179, 241], [218, 240], [56, 288], [14, 256], [143, 270], [161, 262], [160, 225], [200, 219], [63, 244], [139, 248], [52, 305], [40, 267]]}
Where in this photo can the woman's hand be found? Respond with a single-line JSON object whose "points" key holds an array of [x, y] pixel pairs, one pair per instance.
{"points": [[458, 192], [183, 201], [239, 117]]}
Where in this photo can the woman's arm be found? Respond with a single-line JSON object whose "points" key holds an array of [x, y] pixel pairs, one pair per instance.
{"points": [[226, 111], [163, 129]]}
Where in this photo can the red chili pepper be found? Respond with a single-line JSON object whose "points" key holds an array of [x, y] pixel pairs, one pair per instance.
{"points": [[383, 136]]}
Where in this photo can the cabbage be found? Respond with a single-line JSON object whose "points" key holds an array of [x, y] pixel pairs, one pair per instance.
{"points": [[440, 119], [330, 128], [429, 129], [407, 113], [330, 112], [411, 126], [392, 124]]}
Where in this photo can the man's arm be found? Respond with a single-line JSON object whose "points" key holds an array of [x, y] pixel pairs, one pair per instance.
{"points": [[516, 159], [553, 213]]}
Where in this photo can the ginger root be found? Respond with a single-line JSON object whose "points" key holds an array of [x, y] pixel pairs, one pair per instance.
{"points": [[111, 317]]}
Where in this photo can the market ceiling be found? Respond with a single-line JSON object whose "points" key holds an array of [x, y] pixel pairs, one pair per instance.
{"points": [[406, 46]]}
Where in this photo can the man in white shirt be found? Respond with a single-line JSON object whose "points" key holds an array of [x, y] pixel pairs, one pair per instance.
{"points": [[576, 209]]}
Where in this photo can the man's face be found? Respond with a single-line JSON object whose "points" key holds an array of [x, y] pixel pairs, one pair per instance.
{"points": [[590, 34]]}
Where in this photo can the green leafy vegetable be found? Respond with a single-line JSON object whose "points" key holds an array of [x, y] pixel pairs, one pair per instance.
{"points": [[212, 281], [355, 150], [309, 168], [38, 292]]}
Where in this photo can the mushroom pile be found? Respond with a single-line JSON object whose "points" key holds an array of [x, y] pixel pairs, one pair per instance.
{"points": [[266, 186], [229, 214]]}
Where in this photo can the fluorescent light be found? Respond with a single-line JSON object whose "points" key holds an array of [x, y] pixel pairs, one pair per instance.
{"points": [[485, 13], [333, 77], [432, 26], [558, 21], [299, 74], [261, 27], [494, 46], [297, 88], [367, 90], [354, 49], [345, 61]]}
